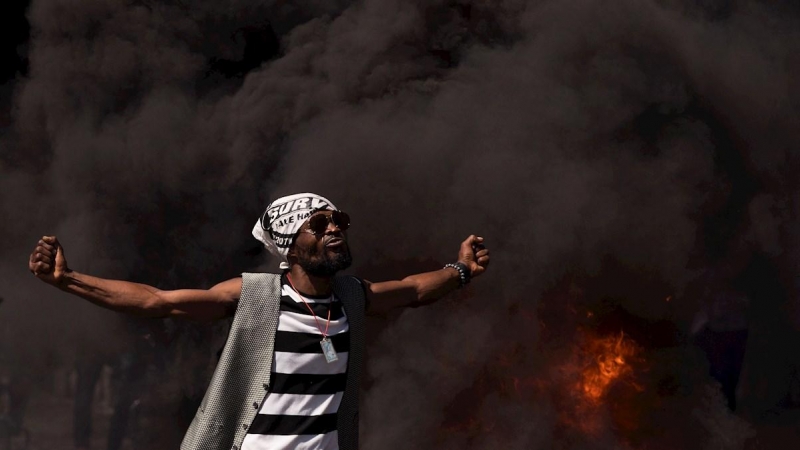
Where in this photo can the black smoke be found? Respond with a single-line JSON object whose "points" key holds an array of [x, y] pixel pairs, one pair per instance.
{"points": [[611, 150]]}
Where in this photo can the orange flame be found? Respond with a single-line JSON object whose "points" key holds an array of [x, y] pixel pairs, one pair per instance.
{"points": [[610, 362], [600, 364], [586, 385]]}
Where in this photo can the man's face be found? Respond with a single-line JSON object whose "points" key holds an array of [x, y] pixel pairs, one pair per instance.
{"points": [[322, 254]]}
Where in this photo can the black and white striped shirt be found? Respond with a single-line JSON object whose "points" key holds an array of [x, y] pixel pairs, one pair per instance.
{"points": [[299, 410]]}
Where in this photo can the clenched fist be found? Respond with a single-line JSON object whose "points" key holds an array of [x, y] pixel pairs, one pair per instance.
{"points": [[474, 255], [47, 261]]}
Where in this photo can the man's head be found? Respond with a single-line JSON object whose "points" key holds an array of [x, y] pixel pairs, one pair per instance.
{"points": [[305, 229], [320, 246]]}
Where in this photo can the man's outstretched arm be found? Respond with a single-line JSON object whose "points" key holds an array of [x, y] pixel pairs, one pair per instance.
{"points": [[425, 288], [48, 263]]}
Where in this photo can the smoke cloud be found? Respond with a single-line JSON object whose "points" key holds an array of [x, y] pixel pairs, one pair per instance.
{"points": [[604, 150]]}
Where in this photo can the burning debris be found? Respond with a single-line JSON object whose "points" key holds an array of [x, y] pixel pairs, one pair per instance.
{"points": [[598, 385], [593, 384], [607, 377], [608, 360]]}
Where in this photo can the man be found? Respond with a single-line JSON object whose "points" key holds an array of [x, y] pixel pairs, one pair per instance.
{"points": [[288, 375]]}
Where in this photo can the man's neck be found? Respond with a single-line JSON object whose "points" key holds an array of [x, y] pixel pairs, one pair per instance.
{"points": [[309, 284]]}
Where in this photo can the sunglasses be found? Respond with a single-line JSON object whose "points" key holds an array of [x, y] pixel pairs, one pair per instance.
{"points": [[318, 223]]}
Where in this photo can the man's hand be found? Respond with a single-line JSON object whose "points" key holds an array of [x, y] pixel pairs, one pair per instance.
{"points": [[47, 262], [474, 255]]}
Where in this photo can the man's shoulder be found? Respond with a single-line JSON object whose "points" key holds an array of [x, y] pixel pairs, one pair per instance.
{"points": [[260, 275], [349, 285], [260, 279]]}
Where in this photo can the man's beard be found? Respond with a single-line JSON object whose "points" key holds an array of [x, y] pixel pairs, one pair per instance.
{"points": [[325, 264]]}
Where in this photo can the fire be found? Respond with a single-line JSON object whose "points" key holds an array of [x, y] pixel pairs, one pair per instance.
{"points": [[598, 382], [591, 381], [608, 360]]}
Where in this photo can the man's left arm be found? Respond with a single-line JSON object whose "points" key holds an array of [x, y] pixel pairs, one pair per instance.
{"points": [[424, 288]]}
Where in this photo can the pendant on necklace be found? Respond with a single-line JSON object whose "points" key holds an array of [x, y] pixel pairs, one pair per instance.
{"points": [[328, 350]]}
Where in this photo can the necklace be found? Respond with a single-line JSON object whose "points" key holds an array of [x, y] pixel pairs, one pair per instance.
{"points": [[325, 343]]}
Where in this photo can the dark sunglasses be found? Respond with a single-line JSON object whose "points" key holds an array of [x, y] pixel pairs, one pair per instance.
{"points": [[318, 223]]}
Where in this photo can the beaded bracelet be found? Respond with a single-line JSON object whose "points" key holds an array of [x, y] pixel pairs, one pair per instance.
{"points": [[463, 273]]}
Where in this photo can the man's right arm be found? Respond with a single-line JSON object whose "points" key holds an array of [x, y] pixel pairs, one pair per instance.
{"points": [[146, 301], [47, 262]]}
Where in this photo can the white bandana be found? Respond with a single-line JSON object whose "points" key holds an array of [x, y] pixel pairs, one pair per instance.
{"points": [[283, 218]]}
